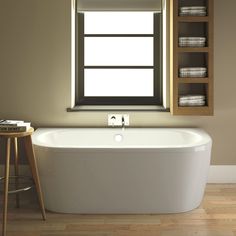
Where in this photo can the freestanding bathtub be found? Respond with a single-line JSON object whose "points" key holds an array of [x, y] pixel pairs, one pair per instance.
{"points": [[131, 171]]}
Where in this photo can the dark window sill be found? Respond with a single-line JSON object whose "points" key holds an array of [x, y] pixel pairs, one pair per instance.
{"points": [[128, 108]]}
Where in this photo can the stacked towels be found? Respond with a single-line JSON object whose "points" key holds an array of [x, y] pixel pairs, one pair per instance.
{"points": [[192, 100], [192, 41], [193, 11], [193, 72]]}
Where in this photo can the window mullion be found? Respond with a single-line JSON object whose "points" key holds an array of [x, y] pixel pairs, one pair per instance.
{"points": [[119, 35], [157, 55]]}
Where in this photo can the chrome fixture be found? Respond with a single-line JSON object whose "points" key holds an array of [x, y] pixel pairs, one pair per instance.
{"points": [[118, 120], [123, 121]]}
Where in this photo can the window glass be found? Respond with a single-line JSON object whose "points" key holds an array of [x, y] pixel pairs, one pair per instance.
{"points": [[118, 23], [118, 82], [118, 51]]}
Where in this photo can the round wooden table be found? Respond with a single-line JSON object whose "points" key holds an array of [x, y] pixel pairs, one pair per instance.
{"points": [[27, 141]]}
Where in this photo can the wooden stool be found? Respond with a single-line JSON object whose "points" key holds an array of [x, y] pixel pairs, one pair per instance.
{"points": [[26, 136]]}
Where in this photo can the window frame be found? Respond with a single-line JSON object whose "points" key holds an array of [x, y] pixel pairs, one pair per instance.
{"points": [[157, 99]]}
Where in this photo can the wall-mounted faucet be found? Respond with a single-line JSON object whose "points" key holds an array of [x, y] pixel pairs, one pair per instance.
{"points": [[118, 120], [123, 121]]}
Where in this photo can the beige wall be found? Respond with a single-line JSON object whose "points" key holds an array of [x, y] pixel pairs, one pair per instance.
{"points": [[35, 73]]}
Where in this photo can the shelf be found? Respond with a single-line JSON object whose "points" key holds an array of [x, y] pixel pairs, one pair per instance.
{"points": [[191, 26], [193, 18], [191, 80], [202, 111], [192, 49]]}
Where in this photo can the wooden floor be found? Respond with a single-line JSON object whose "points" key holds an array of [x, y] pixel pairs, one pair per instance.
{"points": [[215, 217]]}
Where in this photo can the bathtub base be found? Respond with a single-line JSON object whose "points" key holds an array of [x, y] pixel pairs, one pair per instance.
{"points": [[123, 181]]}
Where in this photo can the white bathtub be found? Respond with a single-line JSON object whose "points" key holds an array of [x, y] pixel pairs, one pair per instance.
{"points": [[109, 170]]}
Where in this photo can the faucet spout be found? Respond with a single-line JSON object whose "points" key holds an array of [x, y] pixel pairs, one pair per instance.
{"points": [[123, 121]]}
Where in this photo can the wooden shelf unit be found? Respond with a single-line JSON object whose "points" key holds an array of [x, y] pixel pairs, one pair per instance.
{"points": [[191, 26], [193, 18], [193, 80], [192, 49]]}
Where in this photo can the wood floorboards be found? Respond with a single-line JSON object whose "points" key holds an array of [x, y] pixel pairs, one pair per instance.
{"points": [[215, 217]]}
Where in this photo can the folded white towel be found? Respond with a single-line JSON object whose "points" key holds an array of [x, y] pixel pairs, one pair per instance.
{"points": [[193, 13], [192, 100], [199, 72], [193, 10], [192, 97], [193, 69], [203, 8], [192, 103]]}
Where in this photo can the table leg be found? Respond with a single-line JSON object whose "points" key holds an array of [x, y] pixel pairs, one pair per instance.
{"points": [[33, 166], [16, 165], [5, 201]]}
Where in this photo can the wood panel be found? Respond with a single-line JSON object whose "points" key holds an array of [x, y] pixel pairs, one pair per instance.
{"points": [[193, 19], [177, 55]]}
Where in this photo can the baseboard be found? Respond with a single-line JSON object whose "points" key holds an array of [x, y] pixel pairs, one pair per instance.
{"points": [[223, 174]]}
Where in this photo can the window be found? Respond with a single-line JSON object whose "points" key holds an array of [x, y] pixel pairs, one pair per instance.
{"points": [[118, 58]]}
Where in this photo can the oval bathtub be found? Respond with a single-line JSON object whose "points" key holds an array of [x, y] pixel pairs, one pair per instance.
{"points": [[131, 171]]}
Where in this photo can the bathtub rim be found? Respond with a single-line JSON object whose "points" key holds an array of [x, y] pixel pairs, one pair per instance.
{"points": [[206, 141]]}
